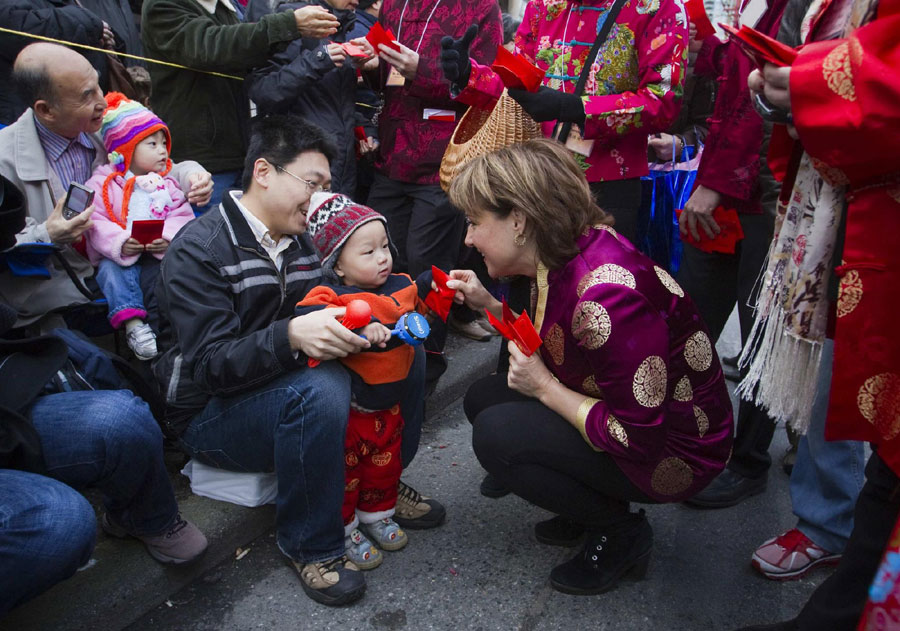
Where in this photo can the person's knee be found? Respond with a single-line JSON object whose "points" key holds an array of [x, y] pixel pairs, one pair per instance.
{"points": [[130, 427], [74, 521], [56, 529], [323, 393], [490, 439], [478, 396]]}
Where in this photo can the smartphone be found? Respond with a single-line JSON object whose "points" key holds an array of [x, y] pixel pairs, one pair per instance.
{"points": [[78, 199]]}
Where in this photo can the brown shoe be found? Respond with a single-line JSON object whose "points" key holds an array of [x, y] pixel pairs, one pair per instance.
{"points": [[486, 325], [182, 543], [414, 511], [471, 330], [334, 583]]}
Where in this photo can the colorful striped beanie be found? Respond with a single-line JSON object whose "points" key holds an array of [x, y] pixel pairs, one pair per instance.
{"points": [[125, 124]]}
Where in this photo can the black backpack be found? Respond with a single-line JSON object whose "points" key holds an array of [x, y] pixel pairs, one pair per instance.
{"points": [[90, 367]]}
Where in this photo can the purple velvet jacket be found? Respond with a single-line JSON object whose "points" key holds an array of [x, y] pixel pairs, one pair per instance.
{"points": [[620, 330]]}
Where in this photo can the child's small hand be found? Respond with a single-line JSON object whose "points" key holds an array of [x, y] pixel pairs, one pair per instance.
{"points": [[132, 246], [157, 246], [376, 333]]}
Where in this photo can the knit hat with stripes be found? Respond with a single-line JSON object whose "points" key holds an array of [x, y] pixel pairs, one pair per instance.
{"points": [[125, 124]]}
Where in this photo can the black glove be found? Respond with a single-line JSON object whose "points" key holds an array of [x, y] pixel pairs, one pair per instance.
{"points": [[548, 104], [455, 60]]}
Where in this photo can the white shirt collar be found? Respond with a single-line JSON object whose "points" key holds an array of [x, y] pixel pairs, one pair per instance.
{"points": [[210, 5], [274, 249]]}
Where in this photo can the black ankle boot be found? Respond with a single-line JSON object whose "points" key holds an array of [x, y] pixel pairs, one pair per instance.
{"points": [[559, 531], [610, 554]]}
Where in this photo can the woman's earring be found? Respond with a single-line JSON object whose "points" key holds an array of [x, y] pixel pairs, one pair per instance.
{"points": [[519, 239]]}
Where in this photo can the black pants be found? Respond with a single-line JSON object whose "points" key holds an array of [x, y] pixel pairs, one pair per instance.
{"points": [[715, 281], [426, 229], [622, 200], [543, 459], [838, 602]]}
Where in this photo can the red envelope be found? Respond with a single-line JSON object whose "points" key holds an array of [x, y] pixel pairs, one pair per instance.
{"points": [[380, 35], [519, 330], [517, 72], [441, 300], [697, 14], [353, 50], [760, 47], [147, 231], [726, 240]]}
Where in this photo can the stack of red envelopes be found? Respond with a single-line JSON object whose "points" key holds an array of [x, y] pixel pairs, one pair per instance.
{"points": [[519, 330], [760, 47], [441, 300], [380, 35], [697, 14], [353, 50], [516, 71], [726, 240]]}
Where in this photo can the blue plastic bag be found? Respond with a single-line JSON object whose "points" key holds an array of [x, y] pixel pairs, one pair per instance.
{"points": [[666, 188]]}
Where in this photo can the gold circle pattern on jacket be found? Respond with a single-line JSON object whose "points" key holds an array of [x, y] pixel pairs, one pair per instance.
{"points": [[591, 324], [649, 384]]}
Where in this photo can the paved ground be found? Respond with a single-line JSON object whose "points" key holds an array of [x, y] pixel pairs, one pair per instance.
{"points": [[484, 570]]}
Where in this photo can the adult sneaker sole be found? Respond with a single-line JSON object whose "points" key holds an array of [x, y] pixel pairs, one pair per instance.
{"points": [[775, 573]]}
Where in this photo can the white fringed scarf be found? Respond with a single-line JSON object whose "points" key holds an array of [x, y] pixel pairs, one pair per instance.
{"points": [[785, 345]]}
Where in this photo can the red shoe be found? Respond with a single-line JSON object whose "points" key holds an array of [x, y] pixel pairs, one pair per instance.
{"points": [[790, 556]]}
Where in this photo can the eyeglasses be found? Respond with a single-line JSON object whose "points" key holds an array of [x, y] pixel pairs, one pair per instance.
{"points": [[313, 187]]}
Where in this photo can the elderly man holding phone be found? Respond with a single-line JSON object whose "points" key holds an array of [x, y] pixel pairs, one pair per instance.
{"points": [[52, 145]]}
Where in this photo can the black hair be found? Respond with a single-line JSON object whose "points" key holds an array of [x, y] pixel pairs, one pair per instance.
{"points": [[33, 84], [280, 138], [510, 26]]}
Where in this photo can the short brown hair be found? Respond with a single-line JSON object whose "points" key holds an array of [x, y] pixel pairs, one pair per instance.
{"points": [[541, 179]]}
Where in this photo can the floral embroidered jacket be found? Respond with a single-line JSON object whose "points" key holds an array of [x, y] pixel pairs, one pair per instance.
{"points": [[412, 148], [635, 85], [620, 330]]}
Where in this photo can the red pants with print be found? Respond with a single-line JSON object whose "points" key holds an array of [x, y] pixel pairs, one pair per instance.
{"points": [[372, 463]]}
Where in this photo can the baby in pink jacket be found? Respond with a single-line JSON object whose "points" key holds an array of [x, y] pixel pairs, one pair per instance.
{"points": [[132, 187]]}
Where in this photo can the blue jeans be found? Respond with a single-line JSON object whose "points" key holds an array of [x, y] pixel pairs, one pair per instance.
{"points": [[294, 426], [223, 181], [47, 531], [122, 288], [827, 476], [108, 439]]}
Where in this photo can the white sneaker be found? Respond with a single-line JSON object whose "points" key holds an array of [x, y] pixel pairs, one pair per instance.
{"points": [[142, 341]]}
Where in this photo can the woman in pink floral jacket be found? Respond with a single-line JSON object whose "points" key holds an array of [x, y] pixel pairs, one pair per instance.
{"points": [[634, 88]]}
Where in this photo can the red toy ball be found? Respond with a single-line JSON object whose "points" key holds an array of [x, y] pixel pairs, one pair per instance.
{"points": [[358, 314]]}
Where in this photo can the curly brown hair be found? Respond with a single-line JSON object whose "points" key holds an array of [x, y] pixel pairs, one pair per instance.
{"points": [[541, 179]]}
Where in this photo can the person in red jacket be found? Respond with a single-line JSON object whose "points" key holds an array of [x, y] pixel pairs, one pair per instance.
{"points": [[840, 97], [731, 174]]}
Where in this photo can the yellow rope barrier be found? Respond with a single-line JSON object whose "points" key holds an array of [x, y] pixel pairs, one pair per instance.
{"points": [[112, 52]]}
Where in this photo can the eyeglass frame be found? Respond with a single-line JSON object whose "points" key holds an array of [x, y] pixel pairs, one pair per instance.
{"points": [[312, 186]]}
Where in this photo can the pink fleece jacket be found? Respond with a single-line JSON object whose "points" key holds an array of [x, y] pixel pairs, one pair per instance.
{"points": [[105, 238]]}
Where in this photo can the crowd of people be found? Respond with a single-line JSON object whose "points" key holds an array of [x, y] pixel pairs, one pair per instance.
{"points": [[263, 223]]}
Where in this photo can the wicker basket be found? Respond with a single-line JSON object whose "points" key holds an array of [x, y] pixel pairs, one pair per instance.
{"points": [[481, 131]]}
